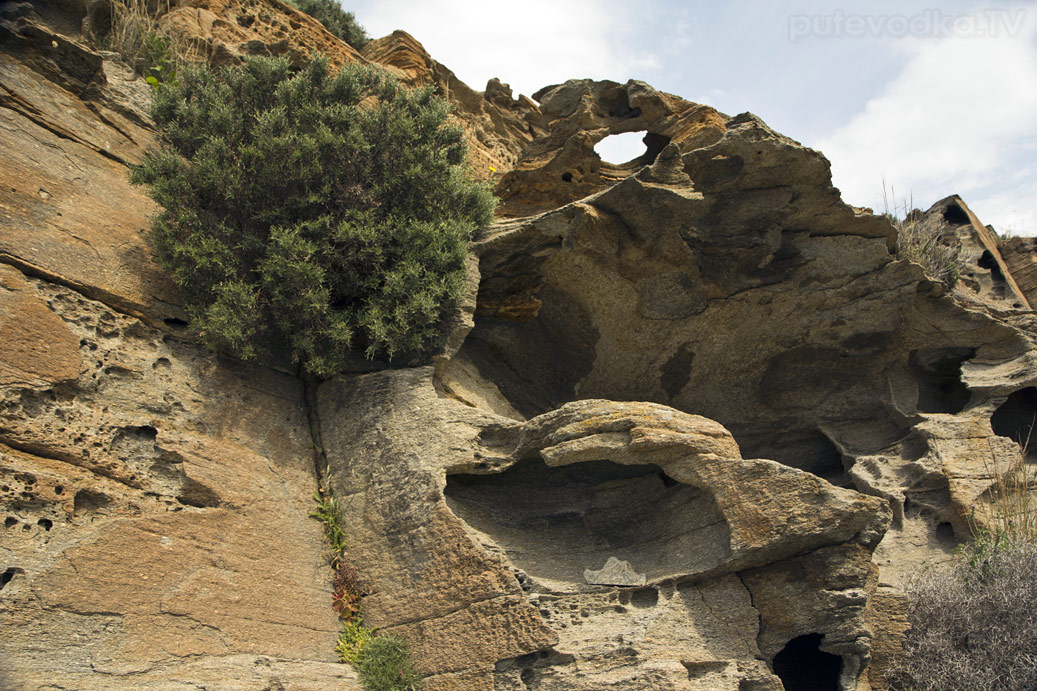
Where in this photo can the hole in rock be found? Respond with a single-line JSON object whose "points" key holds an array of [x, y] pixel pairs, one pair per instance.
{"points": [[45, 523], [945, 533], [644, 598], [618, 149], [1015, 419], [938, 374], [567, 177], [8, 574], [803, 666], [88, 500], [810, 450], [955, 215], [986, 261], [175, 323], [10, 522], [555, 523]]}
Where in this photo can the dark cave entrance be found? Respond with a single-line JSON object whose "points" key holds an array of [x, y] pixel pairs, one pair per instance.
{"points": [[803, 666], [1015, 419], [555, 523], [938, 372]]}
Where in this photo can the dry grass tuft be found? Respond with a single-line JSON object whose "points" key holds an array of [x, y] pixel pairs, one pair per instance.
{"points": [[130, 28], [919, 242]]}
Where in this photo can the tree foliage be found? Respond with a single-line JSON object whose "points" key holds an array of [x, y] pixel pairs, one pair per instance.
{"points": [[328, 211], [335, 19]]}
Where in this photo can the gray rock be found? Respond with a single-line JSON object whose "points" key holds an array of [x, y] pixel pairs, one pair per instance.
{"points": [[615, 572]]}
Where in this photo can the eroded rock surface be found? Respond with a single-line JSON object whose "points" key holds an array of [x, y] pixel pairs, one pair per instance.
{"points": [[154, 498], [155, 508], [694, 427], [457, 513]]}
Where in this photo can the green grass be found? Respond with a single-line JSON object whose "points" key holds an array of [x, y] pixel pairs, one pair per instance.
{"points": [[384, 665]]}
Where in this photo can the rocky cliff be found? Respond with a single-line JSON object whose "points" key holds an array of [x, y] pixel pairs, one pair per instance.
{"points": [[694, 427]]}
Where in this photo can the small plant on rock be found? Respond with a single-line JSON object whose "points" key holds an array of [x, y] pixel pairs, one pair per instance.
{"points": [[382, 661], [346, 590], [919, 243], [975, 627], [131, 29], [384, 665]]}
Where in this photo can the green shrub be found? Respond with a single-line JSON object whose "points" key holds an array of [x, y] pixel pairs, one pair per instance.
{"points": [[336, 20], [384, 665], [328, 212]]}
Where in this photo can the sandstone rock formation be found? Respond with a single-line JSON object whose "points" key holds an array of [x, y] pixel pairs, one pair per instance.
{"points": [[154, 498], [694, 427]]}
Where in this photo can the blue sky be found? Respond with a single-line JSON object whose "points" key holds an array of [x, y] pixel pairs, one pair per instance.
{"points": [[934, 101]]}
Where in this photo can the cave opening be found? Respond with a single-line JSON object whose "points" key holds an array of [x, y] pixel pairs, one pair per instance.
{"points": [[1015, 419], [955, 215], [631, 150], [618, 149], [810, 450], [938, 374], [559, 523], [803, 666]]}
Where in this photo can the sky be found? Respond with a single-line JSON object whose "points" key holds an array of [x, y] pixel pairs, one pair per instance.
{"points": [[919, 101]]}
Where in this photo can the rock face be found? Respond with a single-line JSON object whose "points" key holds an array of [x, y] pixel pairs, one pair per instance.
{"points": [[154, 498], [694, 427], [475, 533], [983, 272]]}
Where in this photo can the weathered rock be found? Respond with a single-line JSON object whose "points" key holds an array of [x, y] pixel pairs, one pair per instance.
{"points": [[68, 211], [659, 288], [497, 127], [983, 275], [155, 507], [1020, 256], [454, 510], [225, 31], [560, 165], [636, 339]]}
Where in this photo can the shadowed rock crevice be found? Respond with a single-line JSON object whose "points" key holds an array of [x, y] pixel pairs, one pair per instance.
{"points": [[557, 523], [938, 373], [803, 666], [1015, 419]]}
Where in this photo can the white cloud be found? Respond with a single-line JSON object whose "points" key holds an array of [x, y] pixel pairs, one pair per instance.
{"points": [[958, 119], [1013, 211], [529, 45]]}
